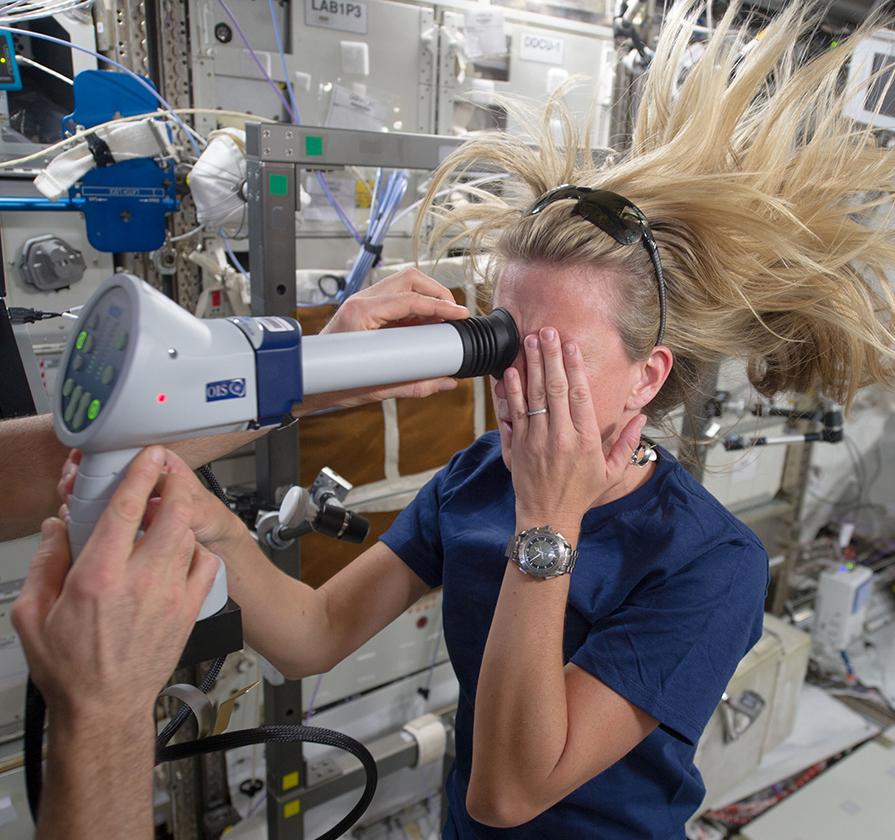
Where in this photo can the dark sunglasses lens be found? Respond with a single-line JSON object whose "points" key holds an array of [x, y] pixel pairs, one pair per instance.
{"points": [[617, 219], [610, 212]]}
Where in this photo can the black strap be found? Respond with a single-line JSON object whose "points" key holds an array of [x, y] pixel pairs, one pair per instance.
{"points": [[376, 250], [100, 150]]}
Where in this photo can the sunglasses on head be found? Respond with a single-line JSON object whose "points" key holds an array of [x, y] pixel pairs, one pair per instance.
{"points": [[615, 216]]}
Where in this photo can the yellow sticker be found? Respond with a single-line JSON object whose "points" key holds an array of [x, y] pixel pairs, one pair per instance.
{"points": [[363, 193], [290, 780], [290, 809]]}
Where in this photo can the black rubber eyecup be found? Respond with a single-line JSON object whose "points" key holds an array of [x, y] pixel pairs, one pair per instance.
{"points": [[490, 343]]}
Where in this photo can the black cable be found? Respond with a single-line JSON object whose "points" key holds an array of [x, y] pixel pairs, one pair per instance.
{"points": [[35, 714], [339, 281], [25, 315], [213, 484], [282, 734], [184, 712], [215, 668], [241, 738]]}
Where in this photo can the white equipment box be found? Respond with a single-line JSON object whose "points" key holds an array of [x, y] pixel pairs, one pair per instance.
{"points": [[758, 712], [843, 594]]}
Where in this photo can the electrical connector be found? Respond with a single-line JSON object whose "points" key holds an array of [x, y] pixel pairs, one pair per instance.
{"points": [[24, 315]]}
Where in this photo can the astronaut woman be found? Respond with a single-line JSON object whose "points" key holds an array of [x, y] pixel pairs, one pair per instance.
{"points": [[740, 224]]}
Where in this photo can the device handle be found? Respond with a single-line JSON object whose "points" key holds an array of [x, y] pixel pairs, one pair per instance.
{"points": [[99, 475]]}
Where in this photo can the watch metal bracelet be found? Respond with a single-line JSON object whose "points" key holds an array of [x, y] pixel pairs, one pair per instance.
{"points": [[541, 553]]}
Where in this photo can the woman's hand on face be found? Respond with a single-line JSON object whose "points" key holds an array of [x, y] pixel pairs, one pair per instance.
{"points": [[559, 467]]}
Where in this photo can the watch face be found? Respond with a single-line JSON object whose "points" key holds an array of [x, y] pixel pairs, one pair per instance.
{"points": [[542, 552]]}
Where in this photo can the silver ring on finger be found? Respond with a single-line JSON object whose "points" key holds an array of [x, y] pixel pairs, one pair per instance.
{"points": [[539, 411]]}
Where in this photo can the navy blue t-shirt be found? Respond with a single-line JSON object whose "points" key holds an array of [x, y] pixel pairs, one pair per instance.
{"points": [[665, 600]]}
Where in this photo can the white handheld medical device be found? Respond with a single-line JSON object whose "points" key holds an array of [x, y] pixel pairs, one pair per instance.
{"points": [[139, 369]]}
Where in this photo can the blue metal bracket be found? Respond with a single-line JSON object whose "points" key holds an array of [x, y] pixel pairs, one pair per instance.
{"points": [[125, 204]]}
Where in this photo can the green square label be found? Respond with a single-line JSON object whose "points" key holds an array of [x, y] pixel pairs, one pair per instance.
{"points": [[313, 146], [278, 184]]}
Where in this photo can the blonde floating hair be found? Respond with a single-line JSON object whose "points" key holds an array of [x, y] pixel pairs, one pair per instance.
{"points": [[770, 208]]}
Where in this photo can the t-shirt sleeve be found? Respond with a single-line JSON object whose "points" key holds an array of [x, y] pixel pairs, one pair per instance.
{"points": [[673, 645], [415, 535]]}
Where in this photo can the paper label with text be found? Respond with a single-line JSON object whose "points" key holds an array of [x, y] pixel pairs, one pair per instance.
{"points": [[346, 15], [536, 46]]}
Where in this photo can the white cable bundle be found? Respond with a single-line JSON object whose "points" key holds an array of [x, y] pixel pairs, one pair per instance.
{"points": [[126, 141], [16, 11]]}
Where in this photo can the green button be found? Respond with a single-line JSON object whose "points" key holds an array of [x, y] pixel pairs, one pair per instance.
{"points": [[121, 341], [82, 337], [278, 184], [313, 145], [93, 409], [68, 386], [108, 375]]}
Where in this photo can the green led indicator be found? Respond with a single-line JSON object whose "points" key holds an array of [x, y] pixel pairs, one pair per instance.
{"points": [[93, 409], [279, 185], [313, 146], [82, 337]]}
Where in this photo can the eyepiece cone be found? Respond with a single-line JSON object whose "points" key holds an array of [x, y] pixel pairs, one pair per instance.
{"points": [[490, 343]]}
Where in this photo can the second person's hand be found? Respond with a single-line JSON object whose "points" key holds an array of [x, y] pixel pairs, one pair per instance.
{"points": [[405, 299]]}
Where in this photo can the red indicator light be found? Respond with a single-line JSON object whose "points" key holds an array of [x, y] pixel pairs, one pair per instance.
{"points": [[421, 622], [162, 398]]}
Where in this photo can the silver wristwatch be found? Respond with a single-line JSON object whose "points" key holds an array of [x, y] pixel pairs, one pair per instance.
{"points": [[542, 553]]}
